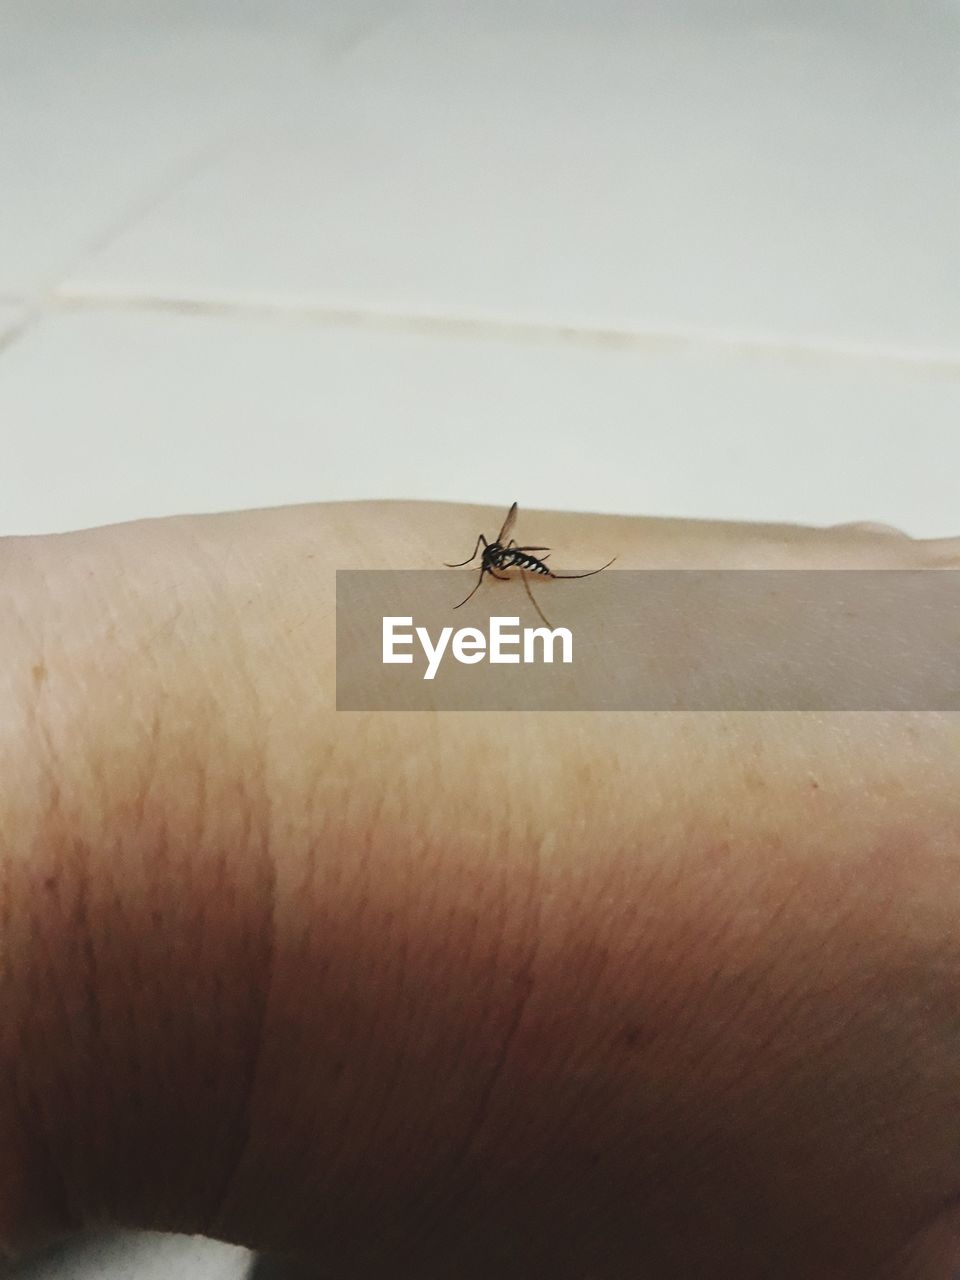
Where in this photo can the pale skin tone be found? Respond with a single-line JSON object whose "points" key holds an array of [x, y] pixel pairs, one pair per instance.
{"points": [[463, 995]]}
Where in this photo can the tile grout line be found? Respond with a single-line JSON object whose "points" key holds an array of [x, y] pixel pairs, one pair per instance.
{"points": [[500, 328], [10, 337], [176, 175]]}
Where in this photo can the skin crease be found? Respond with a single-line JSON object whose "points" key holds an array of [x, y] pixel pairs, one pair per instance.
{"points": [[578, 996]]}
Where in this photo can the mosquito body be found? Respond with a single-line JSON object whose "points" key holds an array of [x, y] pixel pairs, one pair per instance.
{"points": [[499, 555]]}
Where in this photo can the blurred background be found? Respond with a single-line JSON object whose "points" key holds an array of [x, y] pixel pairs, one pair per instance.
{"points": [[691, 258]]}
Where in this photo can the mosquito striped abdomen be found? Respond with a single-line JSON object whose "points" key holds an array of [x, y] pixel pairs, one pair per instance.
{"points": [[522, 560]]}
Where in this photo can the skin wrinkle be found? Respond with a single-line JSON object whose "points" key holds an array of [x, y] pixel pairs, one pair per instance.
{"points": [[301, 943], [80, 1021], [628, 1038], [411, 1034], [350, 1142], [33, 1115], [358, 1037], [360, 1040], [378, 1113], [251, 1075], [33, 1121], [577, 1096], [129, 993], [525, 979], [86, 950], [217, 928], [149, 769], [932, 1252], [725, 927], [580, 1103], [763, 972], [254, 794], [241, 1123], [108, 1057]]}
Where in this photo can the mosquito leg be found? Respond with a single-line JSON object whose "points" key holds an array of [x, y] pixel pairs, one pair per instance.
{"points": [[526, 586], [584, 575], [461, 563], [475, 589]]}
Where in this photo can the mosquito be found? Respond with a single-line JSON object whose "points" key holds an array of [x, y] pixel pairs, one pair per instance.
{"points": [[500, 554]]}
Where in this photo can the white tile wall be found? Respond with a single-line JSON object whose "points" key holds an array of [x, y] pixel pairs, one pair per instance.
{"points": [[154, 412], [10, 318], [790, 173], [693, 258], [105, 107]]}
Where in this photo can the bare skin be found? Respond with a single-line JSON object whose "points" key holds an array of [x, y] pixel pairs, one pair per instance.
{"points": [[517, 995]]}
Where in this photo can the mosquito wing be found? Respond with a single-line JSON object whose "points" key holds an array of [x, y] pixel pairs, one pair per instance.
{"points": [[507, 525]]}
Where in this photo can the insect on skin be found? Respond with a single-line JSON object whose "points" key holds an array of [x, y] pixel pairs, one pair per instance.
{"points": [[499, 555]]}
